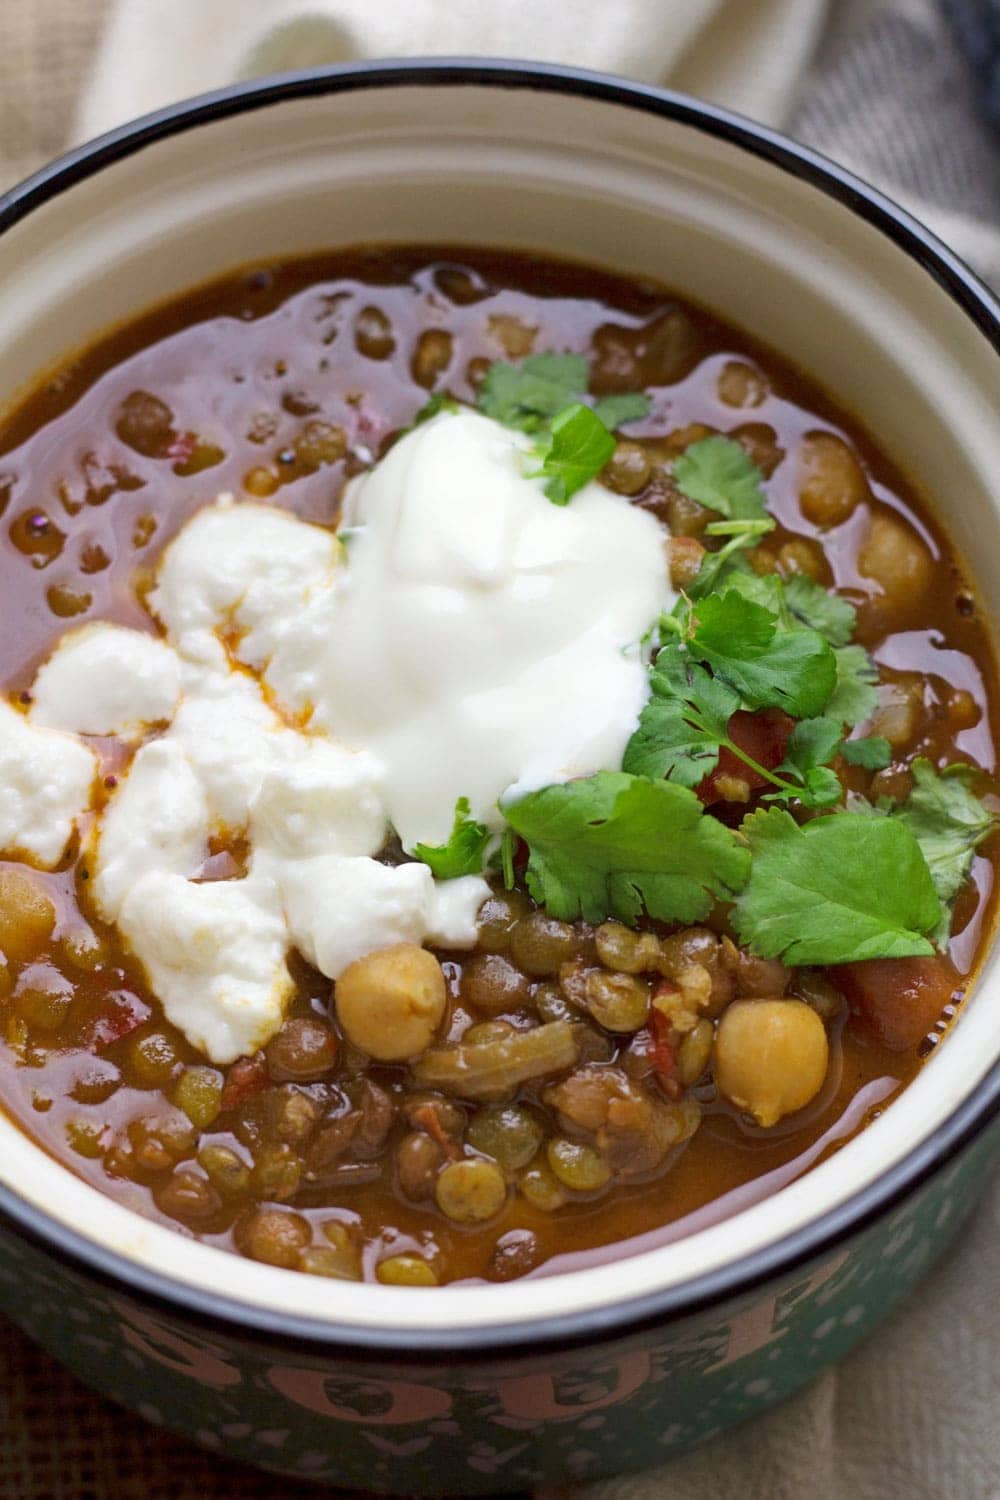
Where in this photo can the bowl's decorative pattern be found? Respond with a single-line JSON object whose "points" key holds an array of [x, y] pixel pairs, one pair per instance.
{"points": [[506, 1424]]}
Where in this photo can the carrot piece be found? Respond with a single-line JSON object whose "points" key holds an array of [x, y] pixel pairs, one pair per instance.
{"points": [[899, 999]]}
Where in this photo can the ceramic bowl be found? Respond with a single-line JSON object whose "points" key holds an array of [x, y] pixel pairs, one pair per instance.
{"points": [[570, 1376]]}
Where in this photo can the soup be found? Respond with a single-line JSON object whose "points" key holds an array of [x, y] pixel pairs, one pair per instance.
{"points": [[492, 773]]}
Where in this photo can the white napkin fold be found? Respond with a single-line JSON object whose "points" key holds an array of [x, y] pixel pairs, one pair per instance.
{"points": [[915, 1413]]}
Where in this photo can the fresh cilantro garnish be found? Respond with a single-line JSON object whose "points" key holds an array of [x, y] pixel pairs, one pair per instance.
{"points": [[839, 889], [439, 402], [463, 853], [615, 411], [873, 752], [530, 394], [949, 823], [813, 605], [577, 447], [854, 698], [767, 665], [614, 844], [716, 472], [684, 724], [812, 743]]}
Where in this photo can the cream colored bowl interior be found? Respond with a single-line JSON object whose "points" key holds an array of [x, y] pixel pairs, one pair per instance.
{"points": [[602, 183]]}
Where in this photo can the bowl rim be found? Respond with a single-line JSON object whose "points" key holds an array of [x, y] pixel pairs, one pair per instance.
{"points": [[744, 1273]]}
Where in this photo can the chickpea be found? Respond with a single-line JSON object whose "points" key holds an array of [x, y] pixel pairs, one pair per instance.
{"points": [[771, 1057], [832, 483], [27, 915], [471, 1191], [895, 558], [390, 1003]]}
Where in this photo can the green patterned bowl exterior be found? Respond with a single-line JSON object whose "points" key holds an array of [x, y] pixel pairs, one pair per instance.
{"points": [[511, 1419], [627, 1383]]}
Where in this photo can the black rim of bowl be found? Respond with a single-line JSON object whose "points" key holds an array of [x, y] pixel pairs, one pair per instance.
{"points": [[830, 1229]]}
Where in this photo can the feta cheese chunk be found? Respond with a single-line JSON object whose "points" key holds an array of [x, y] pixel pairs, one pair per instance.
{"points": [[214, 954], [46, 783], [105, 679], [158, 819]]}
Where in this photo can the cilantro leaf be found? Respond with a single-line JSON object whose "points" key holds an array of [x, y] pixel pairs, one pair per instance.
{"points": [[463, 853], [578, 446], [854, 698], [839, 889], [769, 666], [873, 752], [949, 823], [612, 844], [814, 606], [615, 411], [439, 402], [716, 472], [529, 394], [667, 745]]}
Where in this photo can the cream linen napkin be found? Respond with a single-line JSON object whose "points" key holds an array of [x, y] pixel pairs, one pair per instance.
{"points": [[913, 1415]]}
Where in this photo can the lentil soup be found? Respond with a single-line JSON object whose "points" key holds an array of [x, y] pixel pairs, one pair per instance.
{"points": [[582, 1072]]}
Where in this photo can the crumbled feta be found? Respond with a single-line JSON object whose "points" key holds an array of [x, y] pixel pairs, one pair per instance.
{"points": [[472, 638], [214, 954], [46, 782], [104, 679], [158, 819]]}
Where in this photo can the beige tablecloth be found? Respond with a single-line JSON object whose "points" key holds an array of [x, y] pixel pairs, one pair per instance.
{"points": [[914, 1412]]}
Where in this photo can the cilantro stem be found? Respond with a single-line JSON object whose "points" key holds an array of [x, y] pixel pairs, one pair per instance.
{"points": [[507, 858], [788, 787]]}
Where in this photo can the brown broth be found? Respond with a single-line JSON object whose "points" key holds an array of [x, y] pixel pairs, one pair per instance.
{"points": [[245, 363]]}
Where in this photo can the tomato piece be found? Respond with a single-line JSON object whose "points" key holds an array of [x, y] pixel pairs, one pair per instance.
{"points": [[118, 1016], [247, 1076], [763, 736], [665, 1062], [899, 999]]}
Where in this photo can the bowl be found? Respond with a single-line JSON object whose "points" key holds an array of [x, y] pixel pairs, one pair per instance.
{"points": [[566, 1377]]}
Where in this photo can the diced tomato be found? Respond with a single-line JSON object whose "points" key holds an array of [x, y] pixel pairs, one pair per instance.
{"points": [[899, 999], [119, 1015], [664, 1052], [764, 736], [247, 1076]]}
